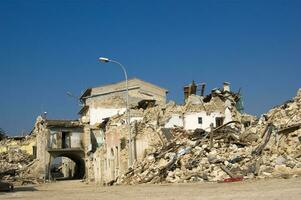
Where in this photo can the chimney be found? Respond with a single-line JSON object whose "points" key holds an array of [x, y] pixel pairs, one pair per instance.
{"points": [[203, 85], [192, 88], [226, 87], [189, 90]]}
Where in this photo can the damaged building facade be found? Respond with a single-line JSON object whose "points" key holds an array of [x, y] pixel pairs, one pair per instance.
{"points": [[98, 142], [216, 108], [54, 139], [106, 101], [99, 105], [207, 138], [151, 122]]}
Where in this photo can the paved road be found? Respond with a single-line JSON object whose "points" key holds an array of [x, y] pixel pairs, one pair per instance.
{"points": [[76, 190]]}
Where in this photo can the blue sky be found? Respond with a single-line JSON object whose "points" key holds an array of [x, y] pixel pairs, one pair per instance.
{"points": [[50, 47]]}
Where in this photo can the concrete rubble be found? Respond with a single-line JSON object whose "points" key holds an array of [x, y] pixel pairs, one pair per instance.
{"points": [[208, 138], [16, 165], [269, 147]]}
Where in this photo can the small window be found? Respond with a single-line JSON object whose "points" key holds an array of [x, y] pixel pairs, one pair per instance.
{"points": [[247, 124], [219, 121], [200, 120]]}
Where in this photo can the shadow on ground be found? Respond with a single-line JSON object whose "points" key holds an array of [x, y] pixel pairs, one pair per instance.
{"points": [[25, 189]]}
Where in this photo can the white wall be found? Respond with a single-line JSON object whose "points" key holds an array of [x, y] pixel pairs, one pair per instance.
{"points": [[191, 120], [228, 116], [75, 140], [138, 119], [98, 114], [141, 145], [175, 120]]}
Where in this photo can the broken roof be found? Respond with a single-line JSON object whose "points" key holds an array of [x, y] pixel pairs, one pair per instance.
{"points": [[86, 93], [134, 82], [83, 110], [63, 123]]}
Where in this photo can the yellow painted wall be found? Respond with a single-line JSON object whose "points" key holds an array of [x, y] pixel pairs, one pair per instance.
{"points": [[26, 145]]}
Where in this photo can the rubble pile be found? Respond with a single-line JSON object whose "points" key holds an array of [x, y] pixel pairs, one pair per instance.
{"points": [[286, 114], [281, 149], [14, 166], [188, 158], [269, 148]]}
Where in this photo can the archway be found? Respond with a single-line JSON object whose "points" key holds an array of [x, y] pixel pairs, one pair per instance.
{"points": [[63, 168], [67, 165]]}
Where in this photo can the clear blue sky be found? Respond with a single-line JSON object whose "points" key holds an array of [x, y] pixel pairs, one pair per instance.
{"points": [[50, 47]]}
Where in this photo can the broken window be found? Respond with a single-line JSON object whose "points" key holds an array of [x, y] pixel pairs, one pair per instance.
{"points": [[219, 121], [200, 120], [122, 143], [247, 124], [66, 140]]}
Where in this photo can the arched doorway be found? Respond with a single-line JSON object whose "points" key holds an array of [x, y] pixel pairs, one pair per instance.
{"points": [[63, 168], [67, 166]]}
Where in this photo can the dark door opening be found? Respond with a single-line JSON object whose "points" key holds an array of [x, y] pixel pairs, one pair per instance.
{"points": [[66, 140], [64, 168]]}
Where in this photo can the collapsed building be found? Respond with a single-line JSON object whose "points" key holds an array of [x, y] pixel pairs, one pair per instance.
{"points": [[104, 102], [16, 155], [29, 159], [77, 140], [152, 127], [207, 138], [270, 147]]}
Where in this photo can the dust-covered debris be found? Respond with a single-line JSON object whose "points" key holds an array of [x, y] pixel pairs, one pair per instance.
{"points": [[16, 165], [268, 148]]}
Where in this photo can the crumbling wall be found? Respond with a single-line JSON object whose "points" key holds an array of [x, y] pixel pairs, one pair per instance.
{"points": [[226, 152], [269, 148], [43, 157], [201, 120], [23, 161], [25, 144], [147, 131]]}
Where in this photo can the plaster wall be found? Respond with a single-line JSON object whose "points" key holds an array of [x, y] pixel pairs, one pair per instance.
{"points": [[175, 120], [228, 116], [76, 140], [26, 146], [98, 114], [141, 145], [139, 88], [191, 121]]}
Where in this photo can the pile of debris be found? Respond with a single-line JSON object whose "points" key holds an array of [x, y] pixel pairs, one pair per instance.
{"points": [[14, 165], [270, 148]]}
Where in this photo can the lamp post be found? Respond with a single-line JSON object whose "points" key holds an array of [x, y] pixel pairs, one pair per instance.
{"points": [[106, 60]]}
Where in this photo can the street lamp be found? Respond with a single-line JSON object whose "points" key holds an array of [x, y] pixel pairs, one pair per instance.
{"points": [[106, 60]]}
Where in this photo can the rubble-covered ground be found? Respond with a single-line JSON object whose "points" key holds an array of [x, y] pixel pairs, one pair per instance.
{"points": [[269, 148], [15, 167]]}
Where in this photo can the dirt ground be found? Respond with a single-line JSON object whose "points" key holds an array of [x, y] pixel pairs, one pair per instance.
{"points": [[76, 190]]}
